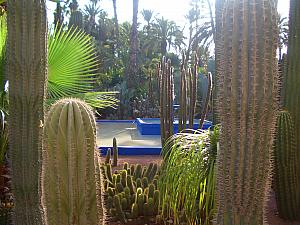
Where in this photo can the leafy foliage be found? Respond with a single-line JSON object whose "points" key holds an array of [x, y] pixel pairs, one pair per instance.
{"points": [[187, 177], [3, 32]]}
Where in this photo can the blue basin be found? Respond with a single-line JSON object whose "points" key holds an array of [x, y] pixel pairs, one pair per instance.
{"points": [[151, 126]]}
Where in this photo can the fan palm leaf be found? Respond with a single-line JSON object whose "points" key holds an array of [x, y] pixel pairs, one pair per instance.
{"points": [[72, 63]]}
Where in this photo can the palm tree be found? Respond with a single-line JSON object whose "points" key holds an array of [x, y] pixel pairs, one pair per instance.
{"points": [[73, 68], [91, 11], [283, 34], [116, 19], [132, 69], [147, 15], [3, 35], [163, 35]]}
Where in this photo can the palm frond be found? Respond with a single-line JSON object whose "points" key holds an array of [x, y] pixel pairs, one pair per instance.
{"points": [[3, 35], [99, 100], [72, 63]]}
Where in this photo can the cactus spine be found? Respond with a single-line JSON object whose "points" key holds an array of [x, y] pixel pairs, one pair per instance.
{"points": [[286, 165], [288, 200], [27, 74], [71, 175], [247, 99]]}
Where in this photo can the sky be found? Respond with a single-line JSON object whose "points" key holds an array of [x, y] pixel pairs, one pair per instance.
{"points": [[170, 9]]}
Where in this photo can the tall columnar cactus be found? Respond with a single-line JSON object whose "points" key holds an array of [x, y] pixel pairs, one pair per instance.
{"points": [[291, 80], [166, 99], [288, 200], [247, 104], [71, 177], [27, 73], [286, 164]]}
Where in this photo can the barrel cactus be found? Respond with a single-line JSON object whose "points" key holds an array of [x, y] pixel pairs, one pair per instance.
{"points": [[71, 177], [27, 74], [247, 85]]}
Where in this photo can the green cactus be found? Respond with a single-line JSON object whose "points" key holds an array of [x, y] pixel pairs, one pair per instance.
{"points": [[126, 166], [140, 203], [108, 156], [145, 182], [130, 184], [115, 152], [165, 71], [119, 212], [110, 191], [288, 197], [146, 209], [155, 182], [134, 211], [132, 169], [286, 164], [139, 183], [183, 111], [71, 193], [156, 201], [124, 203], [139, 191], [247, 99], [153, 172], [138, 171], [26, 70], [119, 187], [110, 202], [124, 178], [151, 190], [150, 207], [118, 179], [149, 168], [108, 172]]}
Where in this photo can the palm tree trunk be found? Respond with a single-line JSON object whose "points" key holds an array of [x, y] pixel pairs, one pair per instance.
{"points": [[116, 20], [132, 69]]}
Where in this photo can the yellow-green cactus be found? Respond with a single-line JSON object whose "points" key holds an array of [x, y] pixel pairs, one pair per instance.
{"points": [[71, 178]]}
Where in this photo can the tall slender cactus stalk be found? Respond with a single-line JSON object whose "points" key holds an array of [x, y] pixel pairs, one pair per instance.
{"points": [[166, 99], [27, 73], [291, 81], [247, 103]]}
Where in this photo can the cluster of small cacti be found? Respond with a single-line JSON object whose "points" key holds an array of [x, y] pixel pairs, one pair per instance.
{"points": [[132, 191]]}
